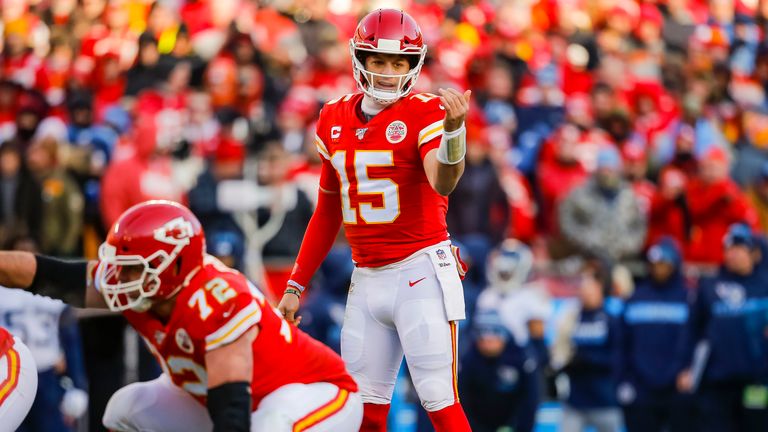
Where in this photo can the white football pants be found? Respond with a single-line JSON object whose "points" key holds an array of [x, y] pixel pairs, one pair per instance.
{"points": [[160, 406], [18, 385], [399, 310]]}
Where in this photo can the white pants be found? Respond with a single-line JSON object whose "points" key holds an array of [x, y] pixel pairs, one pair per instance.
{"points": [[18, 385], [160, 406], [396, 310]]}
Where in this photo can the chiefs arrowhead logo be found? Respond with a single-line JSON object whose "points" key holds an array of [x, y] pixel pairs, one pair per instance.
{"points": [[396, 132], [176, 232]]}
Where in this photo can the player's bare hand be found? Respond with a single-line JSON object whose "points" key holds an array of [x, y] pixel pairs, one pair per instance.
{"points": [[456, 107], [288, 306], [685, 381]]}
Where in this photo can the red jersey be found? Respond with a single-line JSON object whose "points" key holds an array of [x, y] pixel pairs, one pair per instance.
{"points": [[6, 341], [389, 208], [218, 306]]}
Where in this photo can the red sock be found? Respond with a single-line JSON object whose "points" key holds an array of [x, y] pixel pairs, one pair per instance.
{"points": [[374, 417], [450, 419]]}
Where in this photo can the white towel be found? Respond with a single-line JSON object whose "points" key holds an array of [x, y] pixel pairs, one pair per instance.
{"points": [[447, 275]]}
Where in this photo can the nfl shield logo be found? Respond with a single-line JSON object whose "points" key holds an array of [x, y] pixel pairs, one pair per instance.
{"points": [[441, 254], [360, 133]]}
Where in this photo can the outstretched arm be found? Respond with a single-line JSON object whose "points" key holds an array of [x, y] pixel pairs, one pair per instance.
{"points": [[69, 281], [17, 269]]}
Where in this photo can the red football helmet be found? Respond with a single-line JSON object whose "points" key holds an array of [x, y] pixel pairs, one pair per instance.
{"points": [[160, 245], [387, 31]]}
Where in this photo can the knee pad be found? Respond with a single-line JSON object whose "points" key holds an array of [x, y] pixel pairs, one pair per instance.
{"points": [[374, 393], [435, 394], [429, 355]]}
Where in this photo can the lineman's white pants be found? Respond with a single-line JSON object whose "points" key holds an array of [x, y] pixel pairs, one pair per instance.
{"points": [[18, 385], [160, 406]]}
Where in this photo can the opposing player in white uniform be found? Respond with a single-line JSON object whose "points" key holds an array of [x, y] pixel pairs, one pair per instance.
{"points": [[18, 381], [523, 306], [390, 158], [37, 321]]}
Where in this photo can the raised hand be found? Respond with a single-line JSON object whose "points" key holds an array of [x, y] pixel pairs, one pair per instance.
{"points": [[456, 107]]}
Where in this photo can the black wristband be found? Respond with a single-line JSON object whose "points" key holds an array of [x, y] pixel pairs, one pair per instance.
{"points": [[59, 279], [229, 405]]}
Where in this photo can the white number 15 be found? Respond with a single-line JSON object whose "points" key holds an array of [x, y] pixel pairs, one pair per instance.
{"points": [[385, 187]]}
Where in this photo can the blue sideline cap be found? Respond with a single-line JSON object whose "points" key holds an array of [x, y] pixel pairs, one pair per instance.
{"points": [[739, 234]]}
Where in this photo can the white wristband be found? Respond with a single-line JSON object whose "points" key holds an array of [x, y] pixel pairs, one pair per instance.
{"points": [[453, 146], [296, 285]]}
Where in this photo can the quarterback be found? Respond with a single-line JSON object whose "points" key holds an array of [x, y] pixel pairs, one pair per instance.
{"points": [[390, 158], [220, 344]]}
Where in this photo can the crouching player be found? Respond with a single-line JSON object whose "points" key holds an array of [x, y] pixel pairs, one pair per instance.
{"points": [[222, 347]]}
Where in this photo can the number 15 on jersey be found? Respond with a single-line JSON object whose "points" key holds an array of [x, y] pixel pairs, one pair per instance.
{"points": [[367, 187]]}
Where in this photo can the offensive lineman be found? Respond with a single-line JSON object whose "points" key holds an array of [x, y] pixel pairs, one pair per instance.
{"points": [[390, 158], [220, 344], [18, 381]]}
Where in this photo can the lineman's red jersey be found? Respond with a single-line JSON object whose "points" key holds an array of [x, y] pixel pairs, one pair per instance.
{"points": [[389, 208], [6, 341], [216, 308]]}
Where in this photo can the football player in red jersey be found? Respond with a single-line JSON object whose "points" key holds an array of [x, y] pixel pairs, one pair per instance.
{"points": [[390, 158], [220, 344], [18, 381]]}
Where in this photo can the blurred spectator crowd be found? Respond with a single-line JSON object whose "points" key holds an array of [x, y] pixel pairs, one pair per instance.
{"points": [[600, 128]]}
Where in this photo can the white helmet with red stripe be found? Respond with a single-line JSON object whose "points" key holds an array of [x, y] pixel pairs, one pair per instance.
{"points": [[387, 31]]}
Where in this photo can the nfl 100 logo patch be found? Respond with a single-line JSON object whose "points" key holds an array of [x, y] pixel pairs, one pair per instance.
{"points": [[396, 132]]}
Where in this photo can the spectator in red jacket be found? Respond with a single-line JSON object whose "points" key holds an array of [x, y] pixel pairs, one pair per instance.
{"points": [[559, 175], [669, 215], [715, 202], [149, 175]]}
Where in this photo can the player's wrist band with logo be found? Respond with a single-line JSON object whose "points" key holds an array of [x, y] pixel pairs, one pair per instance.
{"points": [[453, 146], [298, 286]]}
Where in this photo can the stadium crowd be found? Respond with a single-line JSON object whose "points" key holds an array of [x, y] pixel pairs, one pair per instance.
{"points": [[612, 211]]}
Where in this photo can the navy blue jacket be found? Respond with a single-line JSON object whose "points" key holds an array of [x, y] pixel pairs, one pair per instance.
{"points": [[500, 391], [203, 203], [730, 313], [592, 370], [652, 329]]}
